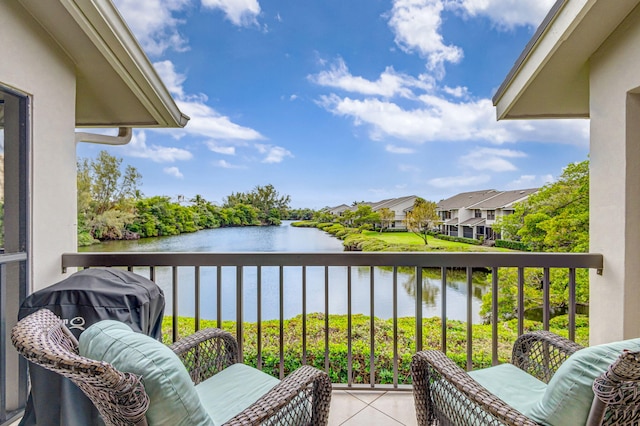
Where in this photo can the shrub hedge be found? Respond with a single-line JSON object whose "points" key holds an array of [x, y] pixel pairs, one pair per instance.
{"points": [[459, 239], [513, 245], [361, 345]]}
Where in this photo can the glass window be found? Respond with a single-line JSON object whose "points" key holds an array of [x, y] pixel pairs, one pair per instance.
{"points": [[13, 243]]}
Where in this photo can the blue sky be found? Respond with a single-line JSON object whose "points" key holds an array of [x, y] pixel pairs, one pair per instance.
{"points": [[336, 101]]}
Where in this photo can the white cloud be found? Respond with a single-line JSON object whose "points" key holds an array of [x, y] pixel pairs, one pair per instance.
{"points": [[408, 168], [523, 181], [506, 13], [226, 165], [173, 171], [205, 121], [458, 92], [273, 154], [226, 150], [170, 77], [160, 154], [389, 84], [439, 119], [459, 181], [399, 149], [547, 179], [240, 12], [416, 25], [530, 181], [491, 159], [153, 23]]}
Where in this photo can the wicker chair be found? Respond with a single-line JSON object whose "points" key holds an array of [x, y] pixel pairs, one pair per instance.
{"points": [[120, 397], [445, 394]]}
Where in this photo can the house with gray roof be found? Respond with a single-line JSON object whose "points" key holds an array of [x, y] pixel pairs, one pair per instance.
{"points": [[399, 206], [338, 210], [473, 214]]}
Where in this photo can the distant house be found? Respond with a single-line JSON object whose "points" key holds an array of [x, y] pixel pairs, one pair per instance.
{"points": [[473, 214], [399, 206], [338, 210]]}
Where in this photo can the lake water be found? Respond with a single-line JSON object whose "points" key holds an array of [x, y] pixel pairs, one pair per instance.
{"points": [[286, 238]]}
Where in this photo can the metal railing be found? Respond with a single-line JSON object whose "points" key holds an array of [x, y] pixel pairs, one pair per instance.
{"points": [[255, 264]]}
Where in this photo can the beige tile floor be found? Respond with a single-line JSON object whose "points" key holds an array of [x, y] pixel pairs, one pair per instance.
{"points": [[370, 408]]}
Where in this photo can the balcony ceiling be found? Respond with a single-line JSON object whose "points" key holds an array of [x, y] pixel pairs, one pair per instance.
{"points": [[116, 83], [550, 79]]}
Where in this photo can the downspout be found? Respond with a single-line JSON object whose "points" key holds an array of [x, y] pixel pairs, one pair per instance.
{"points": [[123, 138]]}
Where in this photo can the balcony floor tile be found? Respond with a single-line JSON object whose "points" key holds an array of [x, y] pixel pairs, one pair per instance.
{"points": [[372, 408]]}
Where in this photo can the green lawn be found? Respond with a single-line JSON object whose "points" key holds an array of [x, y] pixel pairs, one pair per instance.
{"points": [[413, 239]]}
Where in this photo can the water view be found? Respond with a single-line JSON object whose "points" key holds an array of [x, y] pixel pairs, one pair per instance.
{"points": [[286, 238]]}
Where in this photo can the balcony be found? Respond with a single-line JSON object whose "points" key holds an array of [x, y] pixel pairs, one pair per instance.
{"points": [[216, 287]]}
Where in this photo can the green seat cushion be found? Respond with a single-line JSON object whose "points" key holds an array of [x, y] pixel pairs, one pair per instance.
{"points": [[569, 393], [512, 385], [173, 397], [232, 390]]}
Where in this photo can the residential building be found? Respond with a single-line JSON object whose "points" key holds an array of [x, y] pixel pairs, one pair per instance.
{"points": [[473, 214], [338, 210], [494, 208], [399, 206]]}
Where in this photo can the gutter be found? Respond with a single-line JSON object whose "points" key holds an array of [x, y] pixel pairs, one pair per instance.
{"points": [[123, 138]]}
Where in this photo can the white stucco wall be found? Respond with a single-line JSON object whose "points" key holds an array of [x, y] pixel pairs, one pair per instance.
{"points": [[32, 64], [615, 184]]}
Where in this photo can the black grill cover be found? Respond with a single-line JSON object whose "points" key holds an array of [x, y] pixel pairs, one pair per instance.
{"points": [[86, 297]]}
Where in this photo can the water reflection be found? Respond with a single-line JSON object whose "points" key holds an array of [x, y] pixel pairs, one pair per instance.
{"points": [[287, 238]]}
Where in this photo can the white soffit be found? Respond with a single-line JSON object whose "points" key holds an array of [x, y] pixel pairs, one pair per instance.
{"points": [[116, 84], [550, 79]]}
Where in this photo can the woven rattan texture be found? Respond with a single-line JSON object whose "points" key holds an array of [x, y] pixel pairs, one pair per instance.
{"points": [[43, 339], [301, 399], [446, 395], [619, 389]]}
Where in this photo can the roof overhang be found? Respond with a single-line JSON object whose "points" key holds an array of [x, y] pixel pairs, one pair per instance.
{"points": [[116, 84], [550, 79], [474, 221]]}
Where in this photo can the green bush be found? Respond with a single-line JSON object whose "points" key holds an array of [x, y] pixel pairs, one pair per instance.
{"points": [[458, 239], [86, 239], [513, 245], [361, 347]]}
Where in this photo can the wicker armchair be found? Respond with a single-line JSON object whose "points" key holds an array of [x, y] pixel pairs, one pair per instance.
{"points": [[445, 394], [302, 398]]}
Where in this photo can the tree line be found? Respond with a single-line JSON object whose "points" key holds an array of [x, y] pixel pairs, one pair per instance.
{"points": [[112, 207]]}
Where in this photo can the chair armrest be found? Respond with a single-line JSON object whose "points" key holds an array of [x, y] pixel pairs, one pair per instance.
{"points": [[540, 353], [445, 392], [303, 397], [206, 352]]}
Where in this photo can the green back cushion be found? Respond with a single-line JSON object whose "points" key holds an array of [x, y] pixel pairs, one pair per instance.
{"points": [[569, 393], [174, 400]]}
